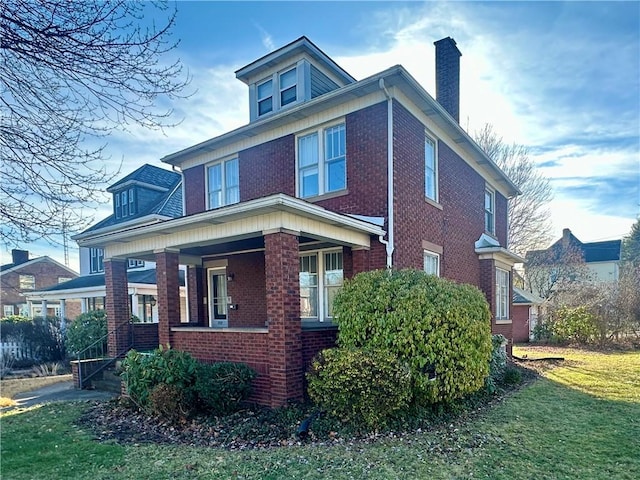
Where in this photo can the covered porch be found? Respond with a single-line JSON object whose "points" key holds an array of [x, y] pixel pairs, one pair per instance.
{"points": [[261, 276]]}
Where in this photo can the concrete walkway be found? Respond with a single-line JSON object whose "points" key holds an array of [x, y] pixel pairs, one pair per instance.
{"points": [[59, 392]]}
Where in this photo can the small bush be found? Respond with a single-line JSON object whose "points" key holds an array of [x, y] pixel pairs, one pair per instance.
{"points": [[358, 386], [512, 376], [143, 372], [86, 330], [221, 387], [440, 329], [168, 401]]}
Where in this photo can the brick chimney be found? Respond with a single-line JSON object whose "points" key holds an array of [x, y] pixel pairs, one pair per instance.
{"points": [[448, 76], [19, 256]]}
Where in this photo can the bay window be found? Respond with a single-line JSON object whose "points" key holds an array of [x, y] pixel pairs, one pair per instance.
{"points": [[502, 294]]}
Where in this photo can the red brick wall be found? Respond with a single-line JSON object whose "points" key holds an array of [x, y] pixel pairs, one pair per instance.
{"points": [[145, 336], [240, 347], [194, 189], [168, 294], [268, 169], [247, 290], [520, 317], [314, 341]]}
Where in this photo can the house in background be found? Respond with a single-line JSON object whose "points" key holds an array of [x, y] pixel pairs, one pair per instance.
{"points": [[570, 260], [331, 176], [146, 196], [527, 307], [23, 276]]}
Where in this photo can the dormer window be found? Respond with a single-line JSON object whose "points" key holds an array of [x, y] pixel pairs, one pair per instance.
{"points": [[125, 203], [288, 87], [265, 97]]}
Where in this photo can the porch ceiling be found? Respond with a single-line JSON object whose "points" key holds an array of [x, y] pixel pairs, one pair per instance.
{"points": [[233, 228]]}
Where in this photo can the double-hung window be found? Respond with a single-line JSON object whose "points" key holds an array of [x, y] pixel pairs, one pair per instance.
{"points": [[502, 294], [265, 97], [223, 183], [431, 263], [489, 211], [321, 277], [430, 170], [322, 165], [125, 203], [96, 260], [288, 86], [27, 282]]}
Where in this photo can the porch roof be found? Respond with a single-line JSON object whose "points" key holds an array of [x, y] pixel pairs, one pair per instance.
{"points": [[240, 221]]}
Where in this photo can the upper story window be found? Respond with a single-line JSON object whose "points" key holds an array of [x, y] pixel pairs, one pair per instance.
{"points": [[288, 86], [431, 263], [27, 282], [276, 91], [96, 260], [502, 294], [223, 183], [489, 211], [125, 203], [265, 97], [322, 165], [430, 170]]}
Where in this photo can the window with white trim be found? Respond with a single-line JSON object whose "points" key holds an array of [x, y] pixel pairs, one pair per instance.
{"points": [[223, 181], [265, 97], [288, 87], [431, 263], [27, 282], [489, 211], [96, 260], [321, 277], [7, 310], [125, 203], [430, 170], [133, 263], [502, 294], [322, 166]]}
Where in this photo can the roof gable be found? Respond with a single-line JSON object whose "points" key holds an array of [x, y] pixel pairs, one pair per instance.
{"points": [[11, 267], [148, 176]]}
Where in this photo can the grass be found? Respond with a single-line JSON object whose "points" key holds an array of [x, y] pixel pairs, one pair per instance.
{"points": [[581, 421], [10, 388]]}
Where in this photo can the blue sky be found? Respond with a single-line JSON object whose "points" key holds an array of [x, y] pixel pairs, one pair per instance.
{"points": [[562, 78]]}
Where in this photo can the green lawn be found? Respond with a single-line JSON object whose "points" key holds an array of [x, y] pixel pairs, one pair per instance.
{"points": [[582, 421]]}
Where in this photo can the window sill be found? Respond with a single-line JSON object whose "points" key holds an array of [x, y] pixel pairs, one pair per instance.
{"points": [[433, 203], [311, 325], [504, 321], [220, 330], [326, 196]]}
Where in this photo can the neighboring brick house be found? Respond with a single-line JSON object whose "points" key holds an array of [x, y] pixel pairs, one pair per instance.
{"points": [[278, 212], [527, 307], [148, 195], [23, 276]]}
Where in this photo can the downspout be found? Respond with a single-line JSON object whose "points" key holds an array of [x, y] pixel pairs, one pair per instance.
{"points": [[389, 243]]}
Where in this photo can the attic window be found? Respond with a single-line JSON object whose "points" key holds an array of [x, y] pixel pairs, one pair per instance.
{"points": [[265, 97], [288, 87], [276, 91], [125, 203]]}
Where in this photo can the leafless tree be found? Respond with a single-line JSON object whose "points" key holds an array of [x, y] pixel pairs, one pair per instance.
{"points": [[71, 73], [529, 216]]}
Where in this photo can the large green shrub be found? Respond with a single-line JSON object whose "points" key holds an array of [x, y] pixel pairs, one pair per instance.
{"points": [[87, 329], [441, 329], [361, 387], [39, 337], [221, 387], [574, 324]]}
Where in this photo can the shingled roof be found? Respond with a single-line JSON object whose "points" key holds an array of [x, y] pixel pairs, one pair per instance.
{"points": [[607, 251]]}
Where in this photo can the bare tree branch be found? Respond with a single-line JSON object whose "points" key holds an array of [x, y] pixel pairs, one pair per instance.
{"points": [[71, 73], [529, 217]]}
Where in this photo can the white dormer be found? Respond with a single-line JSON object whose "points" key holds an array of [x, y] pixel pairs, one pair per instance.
{"points": [[295, 73]]}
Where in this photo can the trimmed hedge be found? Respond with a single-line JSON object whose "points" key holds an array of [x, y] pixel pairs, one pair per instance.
{"points": [[440, 329]]}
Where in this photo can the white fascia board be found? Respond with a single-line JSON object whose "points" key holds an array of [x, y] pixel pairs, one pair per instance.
{"points": [[38, 260], [499, 253], [277, 202]]}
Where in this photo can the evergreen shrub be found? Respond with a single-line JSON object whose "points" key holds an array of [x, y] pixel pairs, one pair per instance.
{"points": [[360, 387], [440, 329], [221, 387], [85, 331]]}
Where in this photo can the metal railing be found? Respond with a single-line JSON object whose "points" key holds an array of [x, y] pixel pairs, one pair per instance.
{"points": [[98, 350]]}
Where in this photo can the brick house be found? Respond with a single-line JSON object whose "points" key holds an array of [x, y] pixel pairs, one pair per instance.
{"points": [[148, 195], [278, 212], [23, 276]]}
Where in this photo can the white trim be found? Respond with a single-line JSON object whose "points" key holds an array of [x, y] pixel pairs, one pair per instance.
{"points": [[436, 169], [492, 194], [428, 253], [33, 261], [320, 285]]}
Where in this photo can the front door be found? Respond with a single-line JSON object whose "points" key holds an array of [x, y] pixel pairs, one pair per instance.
{"points": [[218, 298]]}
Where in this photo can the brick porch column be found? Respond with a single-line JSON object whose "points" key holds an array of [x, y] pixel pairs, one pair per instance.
{"points": [[168, 281], [283, 313], [195, 289], [118, 309]]}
